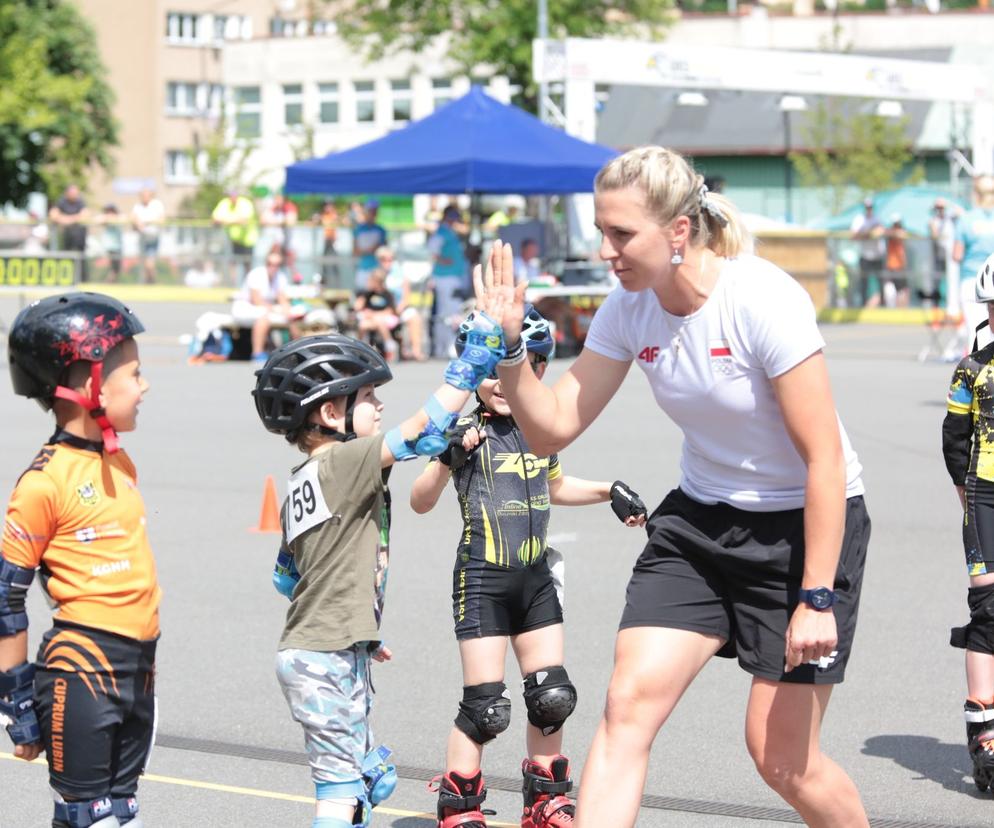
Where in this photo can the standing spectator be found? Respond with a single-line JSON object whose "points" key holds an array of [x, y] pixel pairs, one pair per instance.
{"points": [[329, 221], [449, 275], [280, 215], [148, 217], [527, 266], [236, 214], [70, 214], [869, 231], [895, 286], [502, 217], [432, 218], [974, 243], [111, 239], [367, 237], [941, 231]]}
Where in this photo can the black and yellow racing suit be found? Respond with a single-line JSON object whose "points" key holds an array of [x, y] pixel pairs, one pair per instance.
{"points": [[968, 448], [502, 584]]}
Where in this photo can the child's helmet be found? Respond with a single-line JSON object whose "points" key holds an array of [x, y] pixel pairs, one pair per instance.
{"points": [[307, 372], [52, 333], [985, 281], [535, 331]]}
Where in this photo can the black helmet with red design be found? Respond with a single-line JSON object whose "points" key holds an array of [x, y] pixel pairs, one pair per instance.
{"points": [[51, 334]]}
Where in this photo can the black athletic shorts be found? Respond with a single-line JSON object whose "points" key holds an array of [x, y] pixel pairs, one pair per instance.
{"points": [[978, 527], [492, 600], [724, 571], [95, 698]]}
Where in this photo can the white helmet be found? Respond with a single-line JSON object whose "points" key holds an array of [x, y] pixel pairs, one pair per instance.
{"points": [[985, 281]]}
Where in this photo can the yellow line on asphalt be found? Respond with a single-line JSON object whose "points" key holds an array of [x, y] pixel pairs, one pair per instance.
{"points": [[233, 789]]}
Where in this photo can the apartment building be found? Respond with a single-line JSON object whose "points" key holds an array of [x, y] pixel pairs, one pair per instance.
{"points": [[164, 60]]}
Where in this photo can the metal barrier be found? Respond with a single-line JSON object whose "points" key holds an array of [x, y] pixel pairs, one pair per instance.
{"points": [[193, 253]]}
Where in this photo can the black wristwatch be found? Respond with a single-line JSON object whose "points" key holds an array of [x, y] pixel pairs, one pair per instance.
{"points": [[819, 598]]}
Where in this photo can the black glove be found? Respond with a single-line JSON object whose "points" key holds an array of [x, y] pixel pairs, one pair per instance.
{"points": [[625, 502], [455, 456]]}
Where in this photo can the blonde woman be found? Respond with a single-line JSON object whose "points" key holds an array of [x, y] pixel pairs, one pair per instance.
{"points": [[759, 553]]}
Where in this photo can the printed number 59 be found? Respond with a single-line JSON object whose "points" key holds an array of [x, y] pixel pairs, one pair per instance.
{"points": [[303, 501]]}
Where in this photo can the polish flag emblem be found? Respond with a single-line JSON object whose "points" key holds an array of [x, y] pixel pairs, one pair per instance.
{"points": [[721, 356]]}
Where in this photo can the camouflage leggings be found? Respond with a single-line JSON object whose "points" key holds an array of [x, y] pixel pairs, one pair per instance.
{"points": [[330, 694]]}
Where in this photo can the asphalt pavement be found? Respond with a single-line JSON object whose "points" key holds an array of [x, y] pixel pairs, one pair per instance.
{"points": [[228, 753]]}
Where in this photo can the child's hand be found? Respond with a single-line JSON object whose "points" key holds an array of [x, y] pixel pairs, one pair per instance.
{"points": [[472, 438], [382, 653], [28, 752]]}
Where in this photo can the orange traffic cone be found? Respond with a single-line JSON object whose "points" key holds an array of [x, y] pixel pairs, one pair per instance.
{"points": [[269, 518]]}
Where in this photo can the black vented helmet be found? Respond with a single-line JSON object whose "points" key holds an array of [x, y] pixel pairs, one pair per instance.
{"points": [[307, 372], [52, 333]]}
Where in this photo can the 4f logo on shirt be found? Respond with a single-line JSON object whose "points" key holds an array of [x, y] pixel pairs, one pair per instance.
{"points": [[649, 353], [523, 465], [88, 494]]}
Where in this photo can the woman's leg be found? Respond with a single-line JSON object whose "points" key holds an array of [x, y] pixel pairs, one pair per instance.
{"points": [[482, 663], [783, 725], [536, 650], [260, 333], [653, 666]]}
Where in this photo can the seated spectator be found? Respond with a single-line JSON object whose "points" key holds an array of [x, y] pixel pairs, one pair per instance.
{"points": [[376, 314], [262, 302], [527, 266], [202, 275], [409, 303]]}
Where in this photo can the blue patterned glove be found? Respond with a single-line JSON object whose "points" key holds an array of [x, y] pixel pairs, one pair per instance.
{"points": [[483, 350]]}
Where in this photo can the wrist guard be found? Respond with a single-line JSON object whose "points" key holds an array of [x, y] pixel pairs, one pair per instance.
{"points": [[484, 349], [625, 502], [285, 574], [17, 704]]}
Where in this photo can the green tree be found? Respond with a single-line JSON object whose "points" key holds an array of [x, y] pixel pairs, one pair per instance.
{"points": [[846, 149], [490, 34], [56, 119], [221, 166]]}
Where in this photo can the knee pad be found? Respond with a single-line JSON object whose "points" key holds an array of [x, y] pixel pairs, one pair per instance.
{"points": [[378, 775], [485, 711], [98, 813], [979, 633], [550, 697]]}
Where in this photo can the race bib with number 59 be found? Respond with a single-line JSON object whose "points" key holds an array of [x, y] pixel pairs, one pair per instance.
{"points": [[304, 506]]}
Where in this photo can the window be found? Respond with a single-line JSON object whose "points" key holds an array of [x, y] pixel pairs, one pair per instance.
{"points": [[220, 27], [181, 27], [328, 103], [293, 104], [401, 92], [180, 168], [184, 98], [248, 112], [441, 91], [365, 102]]}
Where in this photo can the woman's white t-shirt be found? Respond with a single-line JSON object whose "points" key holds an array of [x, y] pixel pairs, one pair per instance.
{"points": [[758, 323]]}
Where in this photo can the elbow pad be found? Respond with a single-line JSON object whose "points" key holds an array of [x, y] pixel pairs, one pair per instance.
{"points": [[431, 441], [14, 583]]}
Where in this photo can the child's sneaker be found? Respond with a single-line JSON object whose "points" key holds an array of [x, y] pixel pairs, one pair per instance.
{"points": [[545, 789]]}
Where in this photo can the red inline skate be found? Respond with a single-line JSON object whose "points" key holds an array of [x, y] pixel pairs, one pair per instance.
{"points": [[545, 789], [459, 800]]}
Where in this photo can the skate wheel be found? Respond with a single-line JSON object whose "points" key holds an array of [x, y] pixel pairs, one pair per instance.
{"points": [[981, 783]]}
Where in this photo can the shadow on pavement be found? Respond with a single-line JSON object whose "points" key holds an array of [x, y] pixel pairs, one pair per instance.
{"points": [[947, 764]]}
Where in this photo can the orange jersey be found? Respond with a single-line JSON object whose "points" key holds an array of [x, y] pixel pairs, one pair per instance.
{"points": [[77, 513]]}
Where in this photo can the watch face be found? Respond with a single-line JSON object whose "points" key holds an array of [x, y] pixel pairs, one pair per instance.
{"points": [[821, 598]]}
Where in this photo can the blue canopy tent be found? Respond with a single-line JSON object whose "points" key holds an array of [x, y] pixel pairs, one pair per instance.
{"points": [[474, 144]]}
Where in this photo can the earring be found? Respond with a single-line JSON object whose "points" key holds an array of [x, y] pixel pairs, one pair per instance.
{"points": [[676, 258]]}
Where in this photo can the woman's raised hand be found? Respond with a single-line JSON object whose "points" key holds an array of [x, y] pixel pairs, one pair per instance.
{"points": [[496, 294]]}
